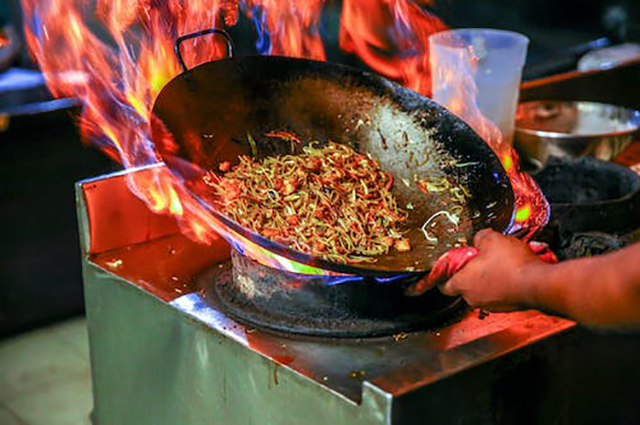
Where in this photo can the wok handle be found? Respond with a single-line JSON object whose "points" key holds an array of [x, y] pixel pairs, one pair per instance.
{"points": [[223, 33]]}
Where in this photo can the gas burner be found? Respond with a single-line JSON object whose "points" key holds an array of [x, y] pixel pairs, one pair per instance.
{"points": [[330, 306]]}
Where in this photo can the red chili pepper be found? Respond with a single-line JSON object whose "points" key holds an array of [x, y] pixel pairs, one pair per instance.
{"points": [[232, 189], [283, 135], [421, 186], [293, 220], [319, 246], [314, 165], [388, 240], [270, 232], [390, 183]]}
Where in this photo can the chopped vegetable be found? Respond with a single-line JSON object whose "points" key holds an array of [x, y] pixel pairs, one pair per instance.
{"points": [[457, 194], [403, 245], [329, 201], [452, 218]]}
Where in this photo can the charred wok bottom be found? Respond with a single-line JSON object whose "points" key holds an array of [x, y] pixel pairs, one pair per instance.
{"points": [[330, 306]]}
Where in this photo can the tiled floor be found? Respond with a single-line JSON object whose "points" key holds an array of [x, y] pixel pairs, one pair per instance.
{"points": [[45, 376]]}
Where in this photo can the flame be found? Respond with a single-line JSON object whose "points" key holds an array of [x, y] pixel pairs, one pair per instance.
{"points": [[287, 27], [531, 208], [116, 55], [391, 36]]}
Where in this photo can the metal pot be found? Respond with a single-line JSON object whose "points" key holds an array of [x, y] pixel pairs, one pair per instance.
{"points": [[589, 195], [573, 130]]}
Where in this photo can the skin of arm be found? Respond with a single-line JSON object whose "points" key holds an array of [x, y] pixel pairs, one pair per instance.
{"points": [[505, 276]]}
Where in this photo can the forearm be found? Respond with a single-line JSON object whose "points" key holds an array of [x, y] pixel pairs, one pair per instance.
{"points": [[601, 291]]}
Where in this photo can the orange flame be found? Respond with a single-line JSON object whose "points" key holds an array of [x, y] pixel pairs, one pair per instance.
{"points": [[291, 26], [531, 207], [392, 37], [116, 55]]}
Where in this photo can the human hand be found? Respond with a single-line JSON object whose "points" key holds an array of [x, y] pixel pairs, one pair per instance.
{"points": [[497, 279]]}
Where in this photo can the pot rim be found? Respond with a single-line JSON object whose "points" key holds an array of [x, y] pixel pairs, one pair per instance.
{"points": [[634, 119]]}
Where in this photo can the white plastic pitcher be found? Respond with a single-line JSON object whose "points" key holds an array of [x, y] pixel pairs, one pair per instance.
{"points": [[488, 60]]}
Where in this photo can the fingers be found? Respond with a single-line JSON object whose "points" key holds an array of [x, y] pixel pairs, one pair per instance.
{"points": [[419, 288], [482, 241], [439, 274], [447, 265], [543, 252]]}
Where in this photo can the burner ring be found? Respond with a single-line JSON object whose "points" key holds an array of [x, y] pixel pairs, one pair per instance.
{"points": [[268, 298]]}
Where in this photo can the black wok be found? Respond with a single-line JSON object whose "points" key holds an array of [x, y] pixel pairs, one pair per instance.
{"points": [[210, 109]]}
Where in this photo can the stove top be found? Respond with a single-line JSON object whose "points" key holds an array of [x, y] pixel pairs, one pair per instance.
{"points": [[150, 317], [396, 363]]}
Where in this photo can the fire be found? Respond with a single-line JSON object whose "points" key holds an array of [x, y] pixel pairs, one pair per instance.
{"points": [[523, 213], [531, 208], [287, 27], [392, 37], [116, 55]]}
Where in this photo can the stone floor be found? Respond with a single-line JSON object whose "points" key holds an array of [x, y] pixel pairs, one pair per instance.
{"points": [[45, 376]]}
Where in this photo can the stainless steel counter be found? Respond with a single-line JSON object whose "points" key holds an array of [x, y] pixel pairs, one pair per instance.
{"points": [[163, 354]]}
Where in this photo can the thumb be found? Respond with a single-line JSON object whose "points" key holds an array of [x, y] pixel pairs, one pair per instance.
{"points": [[450, 287]]}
